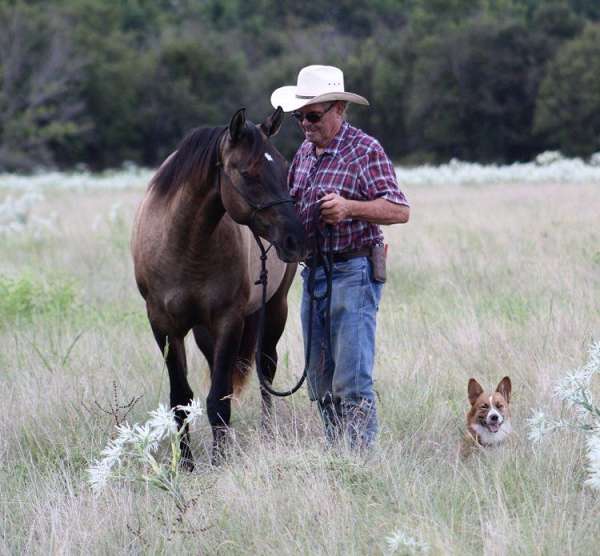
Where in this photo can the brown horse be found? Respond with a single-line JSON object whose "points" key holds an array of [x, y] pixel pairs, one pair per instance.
{"points": [[196, 261]]}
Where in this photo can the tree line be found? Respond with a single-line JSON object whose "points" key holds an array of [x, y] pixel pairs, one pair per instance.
{"points": [[100, 83]]}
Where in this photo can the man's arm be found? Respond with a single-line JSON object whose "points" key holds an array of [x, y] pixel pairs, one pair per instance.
{"points": [[379, 211]]}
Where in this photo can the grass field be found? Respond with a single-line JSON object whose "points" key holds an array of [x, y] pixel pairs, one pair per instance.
{"points": [[485, 281]]}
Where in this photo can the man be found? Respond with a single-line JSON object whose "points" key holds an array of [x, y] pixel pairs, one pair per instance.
{"points": [[341, 178]]}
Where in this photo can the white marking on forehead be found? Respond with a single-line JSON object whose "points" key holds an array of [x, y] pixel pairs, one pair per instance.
{"points": [[268, 157]]}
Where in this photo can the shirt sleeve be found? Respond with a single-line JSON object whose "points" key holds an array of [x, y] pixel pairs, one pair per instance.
{"points": [[379, 178]]}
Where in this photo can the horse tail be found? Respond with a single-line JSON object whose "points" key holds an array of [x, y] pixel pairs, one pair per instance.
{"points": [[241, 371], [243, 367]]}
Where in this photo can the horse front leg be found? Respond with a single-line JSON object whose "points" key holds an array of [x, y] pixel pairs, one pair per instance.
{"points": [[218, 402], [173, 349]]}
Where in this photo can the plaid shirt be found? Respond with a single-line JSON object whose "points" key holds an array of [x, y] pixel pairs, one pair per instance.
{"points": [[353, 165]]}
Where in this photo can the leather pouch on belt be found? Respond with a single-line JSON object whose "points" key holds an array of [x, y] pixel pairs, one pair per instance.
{"points": [[377, 258]]}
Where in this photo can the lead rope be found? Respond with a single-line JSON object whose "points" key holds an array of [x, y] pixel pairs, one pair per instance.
{"points": [[328, 268]]}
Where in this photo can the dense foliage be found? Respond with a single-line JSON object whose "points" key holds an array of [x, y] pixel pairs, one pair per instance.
{"points": [[485, 80]]}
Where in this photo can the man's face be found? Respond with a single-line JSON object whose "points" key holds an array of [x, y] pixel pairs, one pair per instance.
{"points": [[323, 131]]}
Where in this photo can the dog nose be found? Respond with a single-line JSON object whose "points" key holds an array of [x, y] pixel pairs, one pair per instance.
{"points": [[494, 417]]}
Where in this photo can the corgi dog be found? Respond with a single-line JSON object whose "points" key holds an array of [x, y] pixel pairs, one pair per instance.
{"points": [[488, 421]]}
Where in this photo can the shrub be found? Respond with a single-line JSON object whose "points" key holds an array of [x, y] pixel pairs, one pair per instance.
{"points": [[23, 297]]}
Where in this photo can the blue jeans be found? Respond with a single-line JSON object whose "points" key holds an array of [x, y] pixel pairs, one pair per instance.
{"points": [[342, 380]]}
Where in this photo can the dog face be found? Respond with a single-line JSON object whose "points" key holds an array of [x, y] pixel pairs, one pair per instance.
{"points": [[489, 418]]}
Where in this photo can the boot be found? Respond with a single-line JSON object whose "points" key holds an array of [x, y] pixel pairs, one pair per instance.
{"points": [[359, 418], [330, 414]]}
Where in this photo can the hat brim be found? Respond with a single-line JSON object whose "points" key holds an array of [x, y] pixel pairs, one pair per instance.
{"points": [[287, 99]]}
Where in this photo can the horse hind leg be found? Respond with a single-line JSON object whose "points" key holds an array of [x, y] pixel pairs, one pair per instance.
{"points": [[205, 343], [228, 335], [246, 353], [173, 348]]}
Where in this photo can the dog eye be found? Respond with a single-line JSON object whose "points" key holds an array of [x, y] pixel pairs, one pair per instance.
{"points": [[485, 406], [499, 406]]}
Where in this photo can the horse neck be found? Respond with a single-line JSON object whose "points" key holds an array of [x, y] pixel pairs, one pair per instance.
{"points": [[196, 209]]}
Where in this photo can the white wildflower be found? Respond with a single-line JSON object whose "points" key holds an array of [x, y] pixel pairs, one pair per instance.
{"points": [[574, 387], [593, 457], [593, 363], [147, 437], [125, 434], [194, 410], [400, 542], [163, 421], [538, 427], [541, 425], [112, 453], [133, 454], [99, 473]]}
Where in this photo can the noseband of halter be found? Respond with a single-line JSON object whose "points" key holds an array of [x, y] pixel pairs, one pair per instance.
{"points": [[256, 207]]}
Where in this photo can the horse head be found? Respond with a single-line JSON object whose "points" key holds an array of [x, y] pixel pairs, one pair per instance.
{"points": [[254, 188]]}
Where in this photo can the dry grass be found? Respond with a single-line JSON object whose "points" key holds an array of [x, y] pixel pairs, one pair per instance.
{"points": [[485, 281]]}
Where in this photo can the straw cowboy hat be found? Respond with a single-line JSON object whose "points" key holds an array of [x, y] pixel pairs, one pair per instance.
{"points": [[315, 84]]}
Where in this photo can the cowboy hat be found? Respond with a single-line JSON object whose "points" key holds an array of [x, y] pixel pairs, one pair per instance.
{"points": [[315, 84]]}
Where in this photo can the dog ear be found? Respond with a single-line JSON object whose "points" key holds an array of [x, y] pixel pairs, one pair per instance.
{"points": [[236, 126], [272, 123], [475, 390], [504, 388]]}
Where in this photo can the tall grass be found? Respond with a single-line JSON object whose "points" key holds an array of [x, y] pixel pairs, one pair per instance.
{"points": [[484, 282]]}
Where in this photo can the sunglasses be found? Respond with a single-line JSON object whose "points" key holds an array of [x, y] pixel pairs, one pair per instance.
{"points": [[312, 117]]}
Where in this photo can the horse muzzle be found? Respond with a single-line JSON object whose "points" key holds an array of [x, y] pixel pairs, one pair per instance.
{"points": [[291, 248]]}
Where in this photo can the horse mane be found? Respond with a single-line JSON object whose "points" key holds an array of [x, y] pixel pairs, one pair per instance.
{"points": [[195, 159]]}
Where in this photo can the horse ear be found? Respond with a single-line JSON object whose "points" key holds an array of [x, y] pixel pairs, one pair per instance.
{"points": [[273, 122], [236, 125]]}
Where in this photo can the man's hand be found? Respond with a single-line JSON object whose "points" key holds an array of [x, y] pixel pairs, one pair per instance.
{"points": [[334, 208]]}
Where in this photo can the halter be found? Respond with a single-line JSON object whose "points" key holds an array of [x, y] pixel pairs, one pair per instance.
{"points": [[256, 207]]}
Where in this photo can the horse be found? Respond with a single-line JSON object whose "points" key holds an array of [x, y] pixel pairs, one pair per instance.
{"points": [[196, 261]]}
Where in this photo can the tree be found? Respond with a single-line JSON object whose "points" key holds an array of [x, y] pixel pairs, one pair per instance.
{"points": [[474, 91], [187, 83], [41, 110], [568, 104]]}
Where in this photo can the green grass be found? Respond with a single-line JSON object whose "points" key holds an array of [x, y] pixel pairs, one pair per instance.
{"points": [[484, 282]]}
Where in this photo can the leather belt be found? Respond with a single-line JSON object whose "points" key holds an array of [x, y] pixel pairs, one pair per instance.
{"points": [[342, 256]]}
